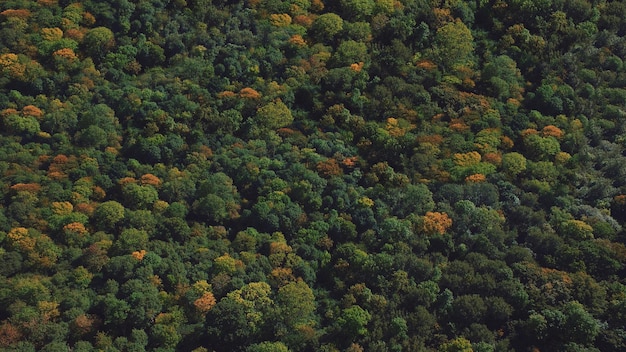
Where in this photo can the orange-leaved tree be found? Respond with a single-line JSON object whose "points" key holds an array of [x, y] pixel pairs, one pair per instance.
{"points": [[436, 223]]}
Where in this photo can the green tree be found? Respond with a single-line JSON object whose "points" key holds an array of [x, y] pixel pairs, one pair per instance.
{"points": [[359, 31], [267, 347], [327, 26], [131, 240], [108, 214], [274, 115], [460, 344], [513, 163], [240, 317], [210, 207], [576, 230], [349, 52], [353, 322], [21, 125], [295, 305], [98, 41], [544, 171], [144, 301], [357, 10], [454, 45], [468, 309], [541, 148], [93, 136], [572, 323], [504, 78], [115, 311], [165, 331], [139, 196]]}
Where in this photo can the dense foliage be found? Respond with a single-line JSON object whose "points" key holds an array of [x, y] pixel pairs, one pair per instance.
{"points": [[309, 175]]}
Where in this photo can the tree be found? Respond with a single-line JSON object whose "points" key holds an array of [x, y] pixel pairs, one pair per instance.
{"points": [[513, 163], [454, 45], [468, 309], [131, 240], [349, 52], [98, 41], [274, 115], [205, 302], [296, 304], [504, 78], [93, 136], [165, 329], [353, 322], [239, 318], [13, 262], [436, 223], [21, 125], [20, 67], [211, 207], [541, 148], [139, 196], [572, 323], [407, 200], [267, 347], [143, 301], [357, 10], [115, 311], [460, 344], [327, 26], [108, 214], [576, 230]]}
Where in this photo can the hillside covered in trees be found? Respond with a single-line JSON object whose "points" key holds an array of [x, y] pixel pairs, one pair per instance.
{"points": [[312, 175]]}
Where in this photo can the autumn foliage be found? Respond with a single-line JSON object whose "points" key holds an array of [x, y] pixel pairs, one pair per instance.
{"points": [[205, 302], [150, 179], [475, 178], [552, 131], [329, 168], [436, 223], [311, 175], [9, 334], [249, 93]]}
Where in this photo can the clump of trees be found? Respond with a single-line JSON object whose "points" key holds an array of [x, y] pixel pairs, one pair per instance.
{"points": [[309, 175]]}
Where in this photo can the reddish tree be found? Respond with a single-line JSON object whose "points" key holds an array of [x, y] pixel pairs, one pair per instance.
{"points": [[83, 324], [150, 179], [205, 302], [551, 130], [19, 13], [249, 93], [9, 334], [475, 178], [31, 110], [329, 168], [26, 187]]}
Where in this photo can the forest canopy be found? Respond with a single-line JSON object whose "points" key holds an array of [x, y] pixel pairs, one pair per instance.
{"points": [[311, 175]]}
